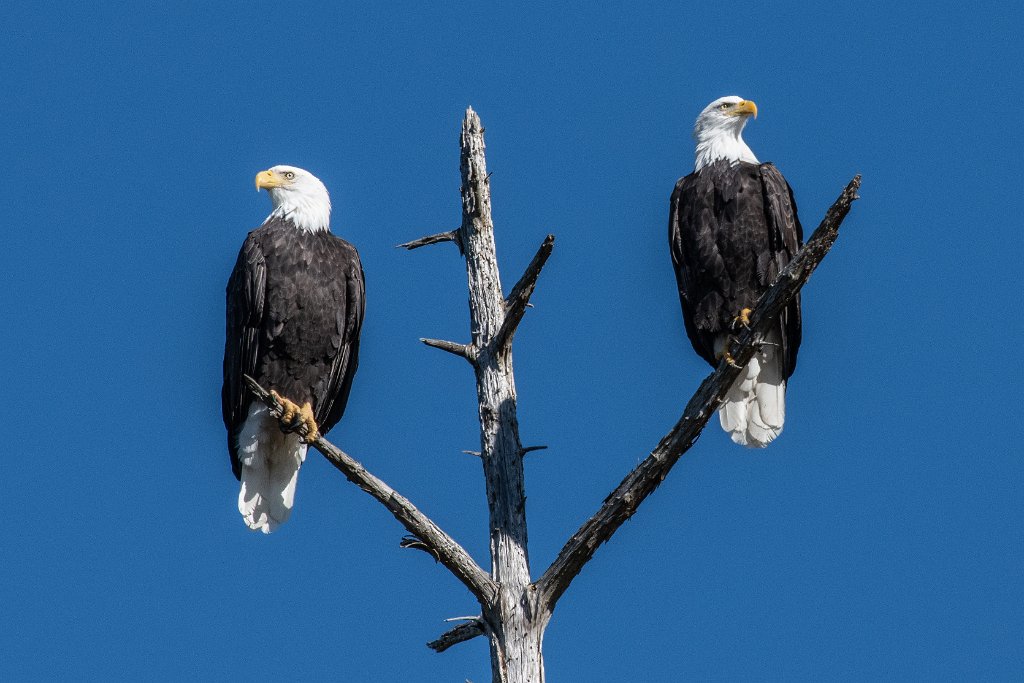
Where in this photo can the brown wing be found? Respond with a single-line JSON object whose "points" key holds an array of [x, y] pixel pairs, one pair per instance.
{"points": [[698, 264], [349, 322], [246, 292], [786, 236]]}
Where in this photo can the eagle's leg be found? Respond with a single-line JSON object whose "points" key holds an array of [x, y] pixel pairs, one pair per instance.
{"points": [[726, 356], [294, 416], [743, 318]]}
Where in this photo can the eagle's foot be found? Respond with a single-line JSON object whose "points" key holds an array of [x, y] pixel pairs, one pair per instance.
{"points": [[727, 357], [743, 318], [295, 416]]}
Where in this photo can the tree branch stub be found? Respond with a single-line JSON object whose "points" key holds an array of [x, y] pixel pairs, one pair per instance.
{"points": [[450, 236], [459, 634], [461, 350]]}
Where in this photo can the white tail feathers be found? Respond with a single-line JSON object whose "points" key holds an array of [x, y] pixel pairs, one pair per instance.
{"points": [[270, 470], [755, 407]]}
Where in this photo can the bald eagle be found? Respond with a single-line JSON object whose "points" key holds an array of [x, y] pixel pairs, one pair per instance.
{"points": [[295, 302], [732, 228]]}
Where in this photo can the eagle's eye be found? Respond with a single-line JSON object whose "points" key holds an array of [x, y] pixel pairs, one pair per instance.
{"points": [[724, 105], [289, 175]]}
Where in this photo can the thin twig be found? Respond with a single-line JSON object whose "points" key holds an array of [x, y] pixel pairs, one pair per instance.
{"points": [[645, 478], [450, 236], [449, 553]]}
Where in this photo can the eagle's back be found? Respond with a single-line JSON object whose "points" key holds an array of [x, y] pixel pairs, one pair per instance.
{"points": [[732, 228], [295, 308]]}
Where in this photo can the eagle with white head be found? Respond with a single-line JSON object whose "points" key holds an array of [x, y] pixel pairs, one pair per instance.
{"points": [[733, 227], [295, 303]]}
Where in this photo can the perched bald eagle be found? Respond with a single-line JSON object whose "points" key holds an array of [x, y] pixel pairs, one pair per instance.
{"points": [[732, 228], [295, 304]]}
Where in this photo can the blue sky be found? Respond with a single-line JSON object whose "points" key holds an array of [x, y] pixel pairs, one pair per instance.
{"points": [[880, 537]]}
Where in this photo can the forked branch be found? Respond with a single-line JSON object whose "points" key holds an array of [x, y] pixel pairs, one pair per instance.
{"points": [[436, 541], [634, 489]]}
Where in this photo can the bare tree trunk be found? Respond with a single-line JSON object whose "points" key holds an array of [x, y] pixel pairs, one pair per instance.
{"points": [[514, 627], [513, 620]]}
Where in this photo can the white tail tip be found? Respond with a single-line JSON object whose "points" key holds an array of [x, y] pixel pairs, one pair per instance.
{"points": [[270, 471], [755, 407]]}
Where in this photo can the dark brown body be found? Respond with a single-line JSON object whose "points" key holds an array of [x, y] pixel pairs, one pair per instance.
{"points": [[732, 229], [295, 303]]}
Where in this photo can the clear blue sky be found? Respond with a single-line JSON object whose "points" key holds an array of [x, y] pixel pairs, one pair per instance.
{"points": [[880, 537]]}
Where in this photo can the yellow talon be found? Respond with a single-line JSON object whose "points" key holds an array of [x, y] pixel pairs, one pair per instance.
{"points": [[293, 415], [727, 357], [744, 317], [288, 409], [312, 431]]}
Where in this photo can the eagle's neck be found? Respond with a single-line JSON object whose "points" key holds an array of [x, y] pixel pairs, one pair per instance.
{"points": [[721, 143], [307, 212]]}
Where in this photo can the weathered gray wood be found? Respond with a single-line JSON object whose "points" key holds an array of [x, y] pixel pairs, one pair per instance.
{"points": [[451, 347], [641, 482], [459, 634], [440, 545], [514, 624], [519, 298], [450, 236]]}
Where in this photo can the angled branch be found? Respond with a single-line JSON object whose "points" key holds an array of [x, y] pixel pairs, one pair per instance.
{"points": [[461, 350], [620, 505], [459, 634], [519, 298], [441, 545], [450, 236]]}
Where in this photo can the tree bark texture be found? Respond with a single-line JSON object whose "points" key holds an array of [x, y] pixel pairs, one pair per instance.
{"points": [[514, 625]]}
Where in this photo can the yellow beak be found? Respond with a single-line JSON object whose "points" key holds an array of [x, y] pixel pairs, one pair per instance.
{"points": [[266, 180], [746, 107]]}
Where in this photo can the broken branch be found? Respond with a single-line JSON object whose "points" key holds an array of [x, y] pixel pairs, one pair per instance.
{"points": [[519, 298], [459, 634], [450, 236], [461, 350]]}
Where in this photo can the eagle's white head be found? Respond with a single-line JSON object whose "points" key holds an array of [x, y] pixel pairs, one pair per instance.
{"points": [[298, 196], [719, 131]]}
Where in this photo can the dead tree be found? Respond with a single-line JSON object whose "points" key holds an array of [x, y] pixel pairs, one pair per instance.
{"points": [[514, 608]]}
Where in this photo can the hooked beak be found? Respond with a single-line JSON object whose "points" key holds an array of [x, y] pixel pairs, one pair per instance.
{"points": [[266, 180], [746, 107]]}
